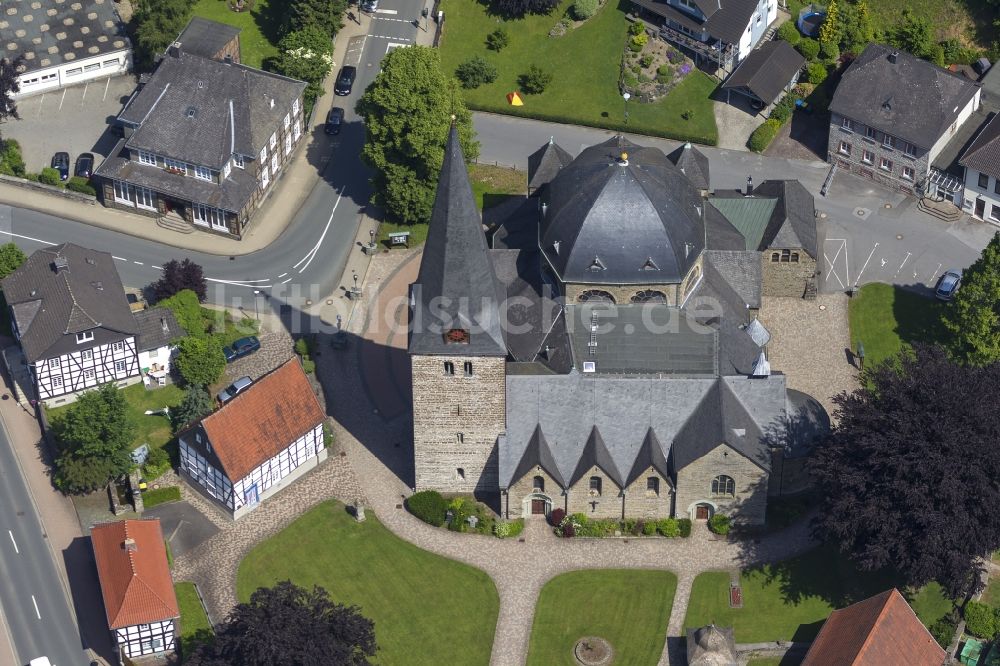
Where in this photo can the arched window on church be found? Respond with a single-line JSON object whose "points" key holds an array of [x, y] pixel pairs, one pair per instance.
{"points": [[538, 484], [723, 486], [649, 296], [691, 281], [595, 296]]}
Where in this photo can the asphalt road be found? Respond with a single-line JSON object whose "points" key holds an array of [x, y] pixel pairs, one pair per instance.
{"points": [[35, 609]]}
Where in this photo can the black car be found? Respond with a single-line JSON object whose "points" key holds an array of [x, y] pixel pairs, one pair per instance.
{"points": [[84, 165], [60, 162], [345, 80], [240, 348], [334, 119]]}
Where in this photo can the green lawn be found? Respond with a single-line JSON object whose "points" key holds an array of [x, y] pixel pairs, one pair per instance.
{"points": [[991, 595], [790, 600], [628, 608], [151, 498], [194, 627], [585, 65], [885, 318], [427, 609], [258, 36]]}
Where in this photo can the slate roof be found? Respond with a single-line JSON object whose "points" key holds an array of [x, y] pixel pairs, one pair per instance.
{"points": [[912, 99], [622, 215], [206, 38], [72, 31], [711, 646], [780, 213], [231, 103], [692, 163], [741, 271], [538, 453], [727, 23], [767, 70], [457, 287], [135, 584], [984, 153], [749, 215], [629, 415], [544, 164], [50, 306], [157, 328], [879, 630], [717, 304], [263, 420]]}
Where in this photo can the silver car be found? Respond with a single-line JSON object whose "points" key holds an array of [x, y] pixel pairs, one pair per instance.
{"points": [[948, 285], [234, 389]]}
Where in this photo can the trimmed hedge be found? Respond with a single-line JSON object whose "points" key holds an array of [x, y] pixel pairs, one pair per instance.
{"points": [[429, 506], [81, 185], [762, 137], [789, 33], [151, 498]]}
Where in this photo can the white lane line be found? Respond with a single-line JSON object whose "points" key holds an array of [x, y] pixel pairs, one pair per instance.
{"points": [[246, 282], [312, 253], [286, 281], [139, 263], [62, 99], [282, 275], [902, 264], [13, 542], [84, 96], [934, 274], [107, 84], [35, 603], [395, 20], [832, 271], [158, 268], [35, 240], [391, 37], [858, 279], [386, 11], [119, 258], [241, 284]]}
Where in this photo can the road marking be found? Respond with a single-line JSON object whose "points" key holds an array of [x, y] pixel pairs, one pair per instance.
{"points": [[139, 263], [119, 258], [902, 264], [386, 11], [396, 20], [934, 274], [35, 603], [241, 284], [282, 275], [107, 84], [391, 37], [62, 99], [312, 253], [13, 542], [159, 268], [41, 101], [84, 96], [858, 279], [36, 240], [833, 262], [286, 281]]}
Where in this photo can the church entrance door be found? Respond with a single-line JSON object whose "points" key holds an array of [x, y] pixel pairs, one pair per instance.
{"points": [[537, 507], [701, 512]]}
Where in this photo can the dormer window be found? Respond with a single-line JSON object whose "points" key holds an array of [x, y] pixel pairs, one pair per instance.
{"points": [[596, 266], [85, 336], [202, 173], [456, 336], [238, 161], [650, 265], [226, 170]]}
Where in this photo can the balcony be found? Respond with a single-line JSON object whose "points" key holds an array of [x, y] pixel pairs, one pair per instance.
{"points": [[723, 57]]}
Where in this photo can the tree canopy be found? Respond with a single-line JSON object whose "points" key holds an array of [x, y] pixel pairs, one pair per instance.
{"points": [[326, 15], [307, 55], [195, 404], [407, 112], [518, 8], [9, 86], [287, 624], [908, 475], [178, 276], [972, 319], [200, 361], [11, 257], [157, 24]]}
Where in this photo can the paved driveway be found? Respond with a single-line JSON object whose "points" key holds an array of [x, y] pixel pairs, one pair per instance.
{"points": [[184, 527], [73, 119]]}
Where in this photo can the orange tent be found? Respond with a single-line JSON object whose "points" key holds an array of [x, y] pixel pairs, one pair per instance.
{"points": [[514, 99]]}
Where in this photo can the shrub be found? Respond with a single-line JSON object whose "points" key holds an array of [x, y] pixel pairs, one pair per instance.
{"points": [[780, 113], [308, 366], [943, 630], [81, 185], [535, 80], [809, 48], [685, 526], [830, 52], [11, 162], [668, 527], [980, 620], [475, 72], [32, 177], [644, 79], [49, 176], [636, 42], [789, 33], [646, 60], [629, 525], [501, 529], [816, 72], [460, 509], [584, 9], [629, 79], [497, 40], [156, 464], [719, 524], [429, 506], [302, 347], [649, 528], [637, 28], [556, 517], [762, 136], [515, 527], [568, 530], [664, 70], [674, 56]]}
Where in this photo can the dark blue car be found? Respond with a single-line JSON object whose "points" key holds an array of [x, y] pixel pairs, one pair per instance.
{"points": [[240, 348]]}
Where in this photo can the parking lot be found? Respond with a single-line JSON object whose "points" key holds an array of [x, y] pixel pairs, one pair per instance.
{"points": [[74, 119]]}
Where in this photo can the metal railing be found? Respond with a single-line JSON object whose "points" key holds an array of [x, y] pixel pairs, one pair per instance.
{"points": [[722, 57]]}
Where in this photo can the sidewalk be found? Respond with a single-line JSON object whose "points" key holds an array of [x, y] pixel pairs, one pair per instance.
{"points": [[269, 221]]}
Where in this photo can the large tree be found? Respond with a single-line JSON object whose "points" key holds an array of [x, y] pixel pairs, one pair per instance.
{"points": [[908, 475], [200, 361], [10, 69], [305, 54], [11, 257], [287, 624], [195, 404], [518, 8], [326, 15], [156, 24], [972, 319], [178, 276], [407, 110]]}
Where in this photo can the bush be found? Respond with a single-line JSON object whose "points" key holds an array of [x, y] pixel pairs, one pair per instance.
{"points": [[719, 524], [637, 28], [649, 528], [460, 509], [568, 530], [629, 525], [789, 33], [156, 464], [475, 72], [535, 80], [200, 361], [646, 60], [664, 70], [31, 177], [761, 137], [429, 506], [780, 113], [830, 52], [943, 630], [685, 526], [308, 366], [668, 527], [49, 176], [980, 620], [675, 56], [513, 527], [497, 40], [636, 42], [809, 48], [81, 185], [11, 162], [816, 72], [556, 517], [302, 347], [584, 9], [629, 79]]}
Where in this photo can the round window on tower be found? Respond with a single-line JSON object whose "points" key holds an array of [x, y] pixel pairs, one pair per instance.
{"points": [[457, 336]]}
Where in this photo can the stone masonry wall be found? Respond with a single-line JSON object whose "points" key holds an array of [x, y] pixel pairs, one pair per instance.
{"points": [[524, 487], [445, 406], [694, 486], [623, 293], [606, 505], [640, 503], [786, 278], [854, 162]]}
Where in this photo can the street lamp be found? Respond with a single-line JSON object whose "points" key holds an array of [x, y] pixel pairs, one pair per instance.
{"points": [[256, 312], [371, 241], [626, 96]]}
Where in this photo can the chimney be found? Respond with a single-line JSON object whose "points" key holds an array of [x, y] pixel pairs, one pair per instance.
{"points": [[60, 264], [129, 545], [228, 59], [163, 325], [893, 56], [272, 102], [174, 50], [749, 186]]}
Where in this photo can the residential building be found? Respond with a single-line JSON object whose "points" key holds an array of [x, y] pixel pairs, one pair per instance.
{"points": [[981, 163], [718, 33], [75, 328], [205, 140], [893, 113], [64, 43], [879, 630], [258, 442], [136, 585], [766, 75], [572, 365]]}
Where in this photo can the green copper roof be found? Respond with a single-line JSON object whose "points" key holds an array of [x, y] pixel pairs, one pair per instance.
{"points": [[749, 215]]}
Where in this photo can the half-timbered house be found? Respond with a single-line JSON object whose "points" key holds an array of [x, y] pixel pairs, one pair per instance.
{"points": [[258, 442], [74, 325], [138, 591]]}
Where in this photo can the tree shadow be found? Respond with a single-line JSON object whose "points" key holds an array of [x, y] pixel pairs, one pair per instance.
{"points": [[272, 19], [918, 314]]}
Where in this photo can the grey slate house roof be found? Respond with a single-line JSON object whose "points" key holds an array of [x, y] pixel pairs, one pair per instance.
{"points": [[206, 38], [984, 153], [725, 19], [64, 290], [741, 271], [457, 287], [544, 164], [614, 221], [767, 70], [779, 213], [157, 328], [910, 98], [692, 163]]}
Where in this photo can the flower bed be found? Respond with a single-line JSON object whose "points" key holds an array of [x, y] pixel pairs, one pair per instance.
{"points": [[461, 514], [579, 525], [651, 68]]}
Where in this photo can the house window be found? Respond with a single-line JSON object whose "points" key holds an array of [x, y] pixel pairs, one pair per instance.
{"points": [[297, 130], [57, 382], [295, 106], [92, 66], [208, 216], [175, 165], [868, 157], [723, 486], [538, 484], [265, 177], [54, 363], [288, 143], [144, 198], [204, 173], [449, 368], [460, 437], [885, 164], [908, 173], [288, 121], [120, 366], [86, 354], [76, 71], [88, 374], [263, 153], [909, 150], [653, 485], [775, 257], [147, 158], [795, 257], [786, 256], [226, 170], [467, 367], [847, 124], [111, 63], [123, 193], [273, 141], [85, 336], [274, 164], [845, 148], [888, 141], [238, 161], [595, 486], [870, 133], [460, 473], [118, 346]]}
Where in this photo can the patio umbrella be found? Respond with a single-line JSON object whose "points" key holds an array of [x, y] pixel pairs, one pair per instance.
{"points": [[514, 99]]}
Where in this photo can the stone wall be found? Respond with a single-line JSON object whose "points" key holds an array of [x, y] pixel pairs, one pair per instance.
{"points": [[524, 487], [641, 503], [623, 293], [859, 143], [694, 486], [786, 278], [606, 505], [456, 421]]}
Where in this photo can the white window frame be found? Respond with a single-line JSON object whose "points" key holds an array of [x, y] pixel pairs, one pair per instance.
{"points": [[92, 67], [847, 124], [84, 336], [121, 365], [202, 173], [89, 373], [238, 161], [295, 106], [226, 170], [76, 71], [287, 121], [175, 164], [86, 354], [123, 192], [57, 381], [867, 157], [908, 173], [845, 148], [53, 363], [888, 141], [144, 198], [265, 177], [909, 150], [274, 164], [118, 346], [297, 130], [885, 164], [146, 157], [273, 141], [288, 143], [870, 133], [263, 153], [207, 216]]}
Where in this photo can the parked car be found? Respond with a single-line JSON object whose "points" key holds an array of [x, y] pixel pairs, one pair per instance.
{"points": [[240, 348], [334, 119], [948, 285], [84, 165], [60, 162], [234, 389], [345, 80], [369, 5]]}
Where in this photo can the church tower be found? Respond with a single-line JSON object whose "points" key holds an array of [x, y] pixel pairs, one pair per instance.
{"points": [[457, 348]]}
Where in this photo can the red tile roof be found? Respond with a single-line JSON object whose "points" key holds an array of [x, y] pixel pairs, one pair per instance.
{"points": [[135, 582], [878, 631], [263, 420]]}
